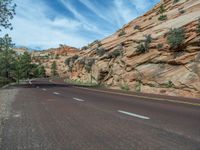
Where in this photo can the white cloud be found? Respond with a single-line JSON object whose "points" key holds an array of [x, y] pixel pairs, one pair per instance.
{"points": [[124, 12], [87, 24], [34, 28]]}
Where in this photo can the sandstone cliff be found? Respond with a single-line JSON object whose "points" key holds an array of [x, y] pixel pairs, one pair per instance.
{"points": [[59, 55], [139, 57], [116, 61]]}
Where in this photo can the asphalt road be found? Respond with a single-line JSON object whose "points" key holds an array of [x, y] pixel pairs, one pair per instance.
{"points": [[52, 116]]}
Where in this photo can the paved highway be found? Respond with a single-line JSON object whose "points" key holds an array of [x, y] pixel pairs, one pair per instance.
{"points": [[54, 116]]}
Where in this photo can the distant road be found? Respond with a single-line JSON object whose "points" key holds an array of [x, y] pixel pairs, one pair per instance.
{"points": [[56, 116]]}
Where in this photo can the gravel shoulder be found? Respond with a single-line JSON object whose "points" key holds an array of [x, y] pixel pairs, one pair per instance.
{"points": [[7, 96]]}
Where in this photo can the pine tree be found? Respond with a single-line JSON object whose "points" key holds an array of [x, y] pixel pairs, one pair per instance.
{"points": [[7, 12], [54, 69]]}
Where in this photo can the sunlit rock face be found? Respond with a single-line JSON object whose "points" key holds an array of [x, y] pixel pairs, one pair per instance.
{"points": [[161, 69]]}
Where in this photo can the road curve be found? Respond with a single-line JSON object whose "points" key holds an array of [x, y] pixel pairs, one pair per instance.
{"points": [[56, 116]]}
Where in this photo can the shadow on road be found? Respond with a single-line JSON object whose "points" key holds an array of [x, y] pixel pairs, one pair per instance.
{"points": [[46, 85]]}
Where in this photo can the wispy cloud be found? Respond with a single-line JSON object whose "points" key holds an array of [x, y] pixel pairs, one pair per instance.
{"points": [[43, 24]]}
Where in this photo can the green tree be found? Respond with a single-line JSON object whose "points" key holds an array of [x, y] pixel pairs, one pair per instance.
{"points": [[54, 69], [41, 72], [26, 65], [7, 12], [7, 56]]}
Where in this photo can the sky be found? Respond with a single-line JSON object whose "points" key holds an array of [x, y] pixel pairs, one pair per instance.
{"points": [[43, 24]]}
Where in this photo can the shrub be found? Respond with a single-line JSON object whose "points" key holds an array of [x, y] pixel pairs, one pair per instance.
{"points": [[137, 27], [93, 43], [138, 86], [162, 9], [161, 12], [67, 61], [176, 1], [169, 84], [82, 61], [159, 46], [148, 39], [57, 56], [162, 18], [141, 48], [122, 33], [181, 11], [84, 48], [74, 58], [125, 87], [88, 64], [114, 54], [100, 51], [144, 47], [176, 37]]}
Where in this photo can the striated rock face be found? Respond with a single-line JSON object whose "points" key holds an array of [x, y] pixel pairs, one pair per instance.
{"points": [[161, 69], [59, 55], [116, 62], [20, 50]]}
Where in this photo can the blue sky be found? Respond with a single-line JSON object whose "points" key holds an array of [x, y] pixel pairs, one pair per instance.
{"points": [[42, 24]]}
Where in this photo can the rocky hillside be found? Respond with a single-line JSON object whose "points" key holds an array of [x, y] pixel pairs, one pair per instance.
{"points": [[158, 52], [59, 55], [20, 50]]}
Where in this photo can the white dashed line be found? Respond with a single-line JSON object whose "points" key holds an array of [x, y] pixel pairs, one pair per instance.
{"points": [[56, 93], [77, 99], [44, 89], [133, 115]]}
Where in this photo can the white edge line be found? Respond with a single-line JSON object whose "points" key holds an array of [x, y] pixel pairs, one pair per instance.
{"points": [[134, 115], [145, 97], [78, 99], [56, 93]]}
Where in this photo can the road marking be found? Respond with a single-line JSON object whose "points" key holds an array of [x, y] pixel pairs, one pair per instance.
{"points": [[78, 99], [56, 93], [146, 98], [44, 89], [134, 115]]}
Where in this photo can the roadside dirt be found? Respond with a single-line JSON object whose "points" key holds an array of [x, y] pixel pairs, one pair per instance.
{"points": [[7, 96]]}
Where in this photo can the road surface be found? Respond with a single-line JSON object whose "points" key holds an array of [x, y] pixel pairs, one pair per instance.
{"points": [[51, 116]]}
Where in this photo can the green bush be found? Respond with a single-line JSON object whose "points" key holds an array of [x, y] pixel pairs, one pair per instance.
{"points": [[144, 47], [88, 64], [114, 54], [141, 48], [67, 61], [100, 51], [82, 61], [122, 33], [169, 84], [137, 27], [125, 87], [74, 58], [4, 81], [181, 11], [159, 46], [162, 18], [176, 37], [161, 12], [176, 1], [84, 48]]}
